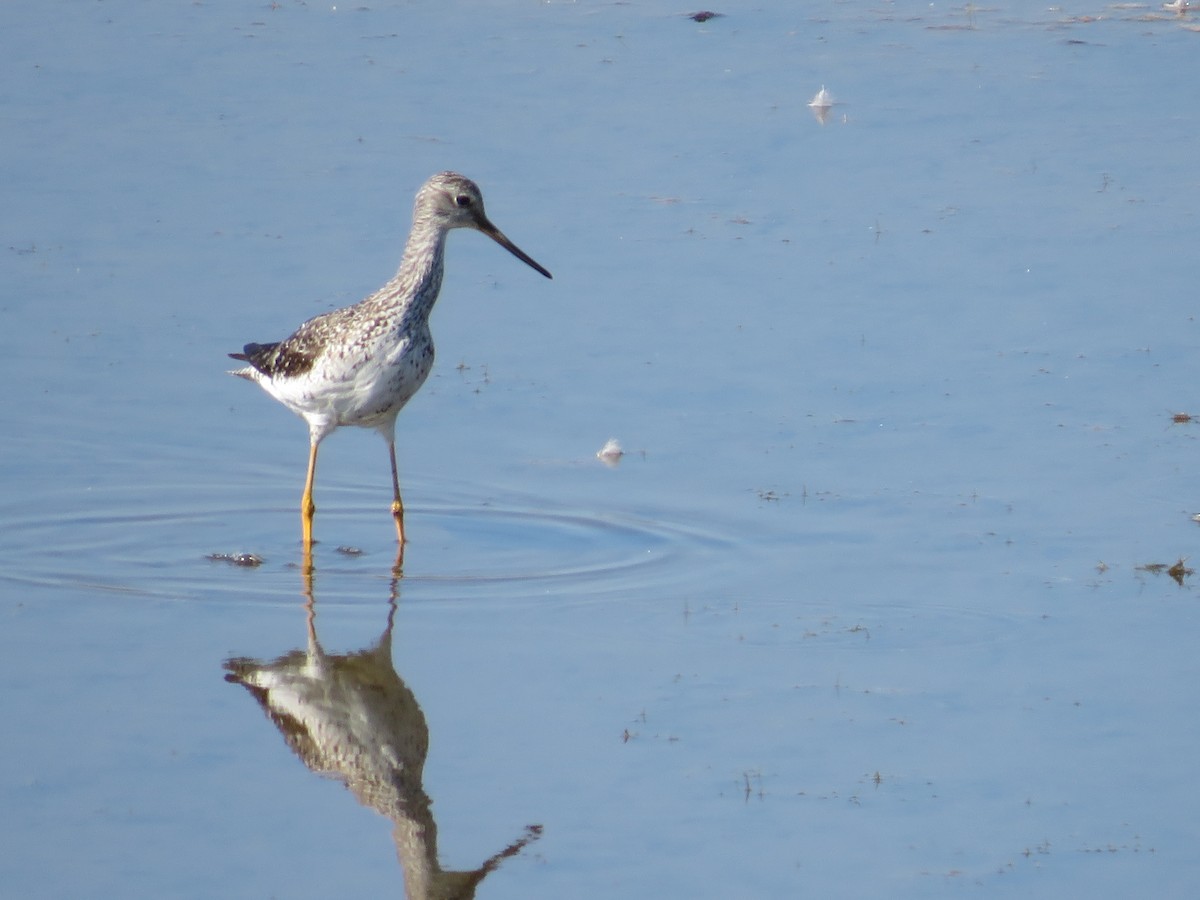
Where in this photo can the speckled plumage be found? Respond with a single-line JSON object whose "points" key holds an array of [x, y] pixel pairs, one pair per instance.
{"points": [[359, 365]]}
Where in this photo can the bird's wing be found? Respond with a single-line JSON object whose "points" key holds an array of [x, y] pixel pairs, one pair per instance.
{"points": [[289, 358]]}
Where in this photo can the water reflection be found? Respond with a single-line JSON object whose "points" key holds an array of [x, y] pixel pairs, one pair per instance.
{"points": [[351, 717]]}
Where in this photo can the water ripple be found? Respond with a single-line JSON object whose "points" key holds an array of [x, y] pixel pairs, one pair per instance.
{"points": [[168, 543]]}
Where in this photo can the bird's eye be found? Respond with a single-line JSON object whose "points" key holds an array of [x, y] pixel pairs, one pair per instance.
{"points": [[463, 201]]}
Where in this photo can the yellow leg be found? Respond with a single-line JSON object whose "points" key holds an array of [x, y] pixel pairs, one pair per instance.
{"points": [[307, 507], [397, 504]]}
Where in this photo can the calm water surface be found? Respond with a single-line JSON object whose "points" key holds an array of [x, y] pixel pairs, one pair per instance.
{"points": [[871, 606]]}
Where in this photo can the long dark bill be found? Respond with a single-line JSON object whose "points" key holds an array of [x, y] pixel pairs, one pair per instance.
{"points": [[498, 236]]}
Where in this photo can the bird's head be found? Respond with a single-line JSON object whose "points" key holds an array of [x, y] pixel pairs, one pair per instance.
{"points": [[451, 200]]}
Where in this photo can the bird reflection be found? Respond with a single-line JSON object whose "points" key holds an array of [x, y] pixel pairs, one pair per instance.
{"points": [[352, 718]]}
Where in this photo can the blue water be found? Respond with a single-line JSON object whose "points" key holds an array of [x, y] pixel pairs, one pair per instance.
{"points": [[869, 607]]}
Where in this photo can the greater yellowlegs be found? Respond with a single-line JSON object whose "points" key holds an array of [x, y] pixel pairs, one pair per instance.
{"points": [[361, 364]]}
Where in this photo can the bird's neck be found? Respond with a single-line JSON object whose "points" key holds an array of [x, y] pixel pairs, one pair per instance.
{"points": [[416, 284]]}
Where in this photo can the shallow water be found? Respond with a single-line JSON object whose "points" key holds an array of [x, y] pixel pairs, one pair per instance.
{"points": [[870, 604]]}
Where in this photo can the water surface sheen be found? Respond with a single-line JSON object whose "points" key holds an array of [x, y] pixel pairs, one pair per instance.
{"points": [[879, 600]]}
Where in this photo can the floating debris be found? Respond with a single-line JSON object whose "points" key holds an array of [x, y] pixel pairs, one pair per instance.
{"points": [[822, 99], [704, 15], [349, 551], [1178, 571], [610, 454], [245, 560], [821, 103], [1182, 418]]}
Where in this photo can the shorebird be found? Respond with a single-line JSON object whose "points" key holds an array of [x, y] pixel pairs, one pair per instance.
{"points": [[359, 365]]}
